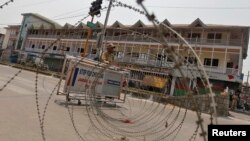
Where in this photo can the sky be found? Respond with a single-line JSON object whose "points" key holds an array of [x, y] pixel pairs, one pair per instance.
{"points": [[227, 12]]}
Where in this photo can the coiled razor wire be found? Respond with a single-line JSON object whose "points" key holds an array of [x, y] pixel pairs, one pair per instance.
{"points": [[144, 125], [104, 117], [105, 124]]}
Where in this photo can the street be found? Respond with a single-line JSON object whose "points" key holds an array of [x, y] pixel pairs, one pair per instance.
{"points": [[19, 118]]}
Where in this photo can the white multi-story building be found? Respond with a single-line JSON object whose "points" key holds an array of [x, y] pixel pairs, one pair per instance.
{"points": [[221, 48]]}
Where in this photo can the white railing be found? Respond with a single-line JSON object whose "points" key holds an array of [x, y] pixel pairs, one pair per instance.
{"points": [[158, 63], [139, 38]]}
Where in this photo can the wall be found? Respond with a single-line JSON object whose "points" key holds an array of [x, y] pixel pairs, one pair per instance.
{"points": [[1, 40], [28, 21], [6, 39]]}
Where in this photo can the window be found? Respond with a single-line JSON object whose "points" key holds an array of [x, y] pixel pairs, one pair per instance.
{"points": [[68, 49], [82, 50], [46, 33], [82, 35], [210, 36], [78, 49], [218, 36], [167, 35], [209, 62], [198, 25], [54, 48], [93, 51], [174, 35], [43, 46], [194, 35], [117, 34], [85, 34], [143, 56], [58, 33], [215, 62], [33, 46], [230, 64], [161, 57], [135, 54], [191, 60], [213, 36]]}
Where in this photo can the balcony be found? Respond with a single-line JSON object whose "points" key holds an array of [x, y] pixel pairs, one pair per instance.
{"points": [[193, 41], [139, 38], [57, 36], [165, 64]]}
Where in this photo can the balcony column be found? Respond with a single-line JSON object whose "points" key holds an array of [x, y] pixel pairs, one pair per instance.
{"points": [[202, 36], [71, 48], [212, 57], [228, 38], [191, 36], [139, 59], [172, 88], [148, 55], [156, 58], [240, 63], [131, 53], [120, 34], [124, 51], [225, 64], [113, 35]]}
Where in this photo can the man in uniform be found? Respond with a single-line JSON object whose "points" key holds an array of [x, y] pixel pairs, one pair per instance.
{"points": [[108, 56]]}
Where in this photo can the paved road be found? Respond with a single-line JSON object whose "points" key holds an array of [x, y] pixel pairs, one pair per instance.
{"points": [[19, 120]]}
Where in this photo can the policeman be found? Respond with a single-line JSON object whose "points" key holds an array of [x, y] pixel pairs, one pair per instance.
{"points": [[108, 56]]}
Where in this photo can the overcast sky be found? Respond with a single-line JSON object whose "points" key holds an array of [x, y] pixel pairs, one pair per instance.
{"points": [[228, 12]]}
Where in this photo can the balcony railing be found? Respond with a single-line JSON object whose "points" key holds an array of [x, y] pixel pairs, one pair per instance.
{"points": [[193, 41], [138, 38], [158, 63]]}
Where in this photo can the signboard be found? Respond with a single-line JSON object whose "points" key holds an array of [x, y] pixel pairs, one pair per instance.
{"points": [[154, 81], [79, 79], [112, 83], [91, 25]]}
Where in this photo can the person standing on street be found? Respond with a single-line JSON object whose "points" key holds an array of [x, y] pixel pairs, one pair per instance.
{"points": [[108, 56]]}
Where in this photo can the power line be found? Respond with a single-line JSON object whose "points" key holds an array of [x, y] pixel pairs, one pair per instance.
{"points": [[70, 17], [206, 8], [6, 3], [37, 3], [70, 12], [62, 18]]}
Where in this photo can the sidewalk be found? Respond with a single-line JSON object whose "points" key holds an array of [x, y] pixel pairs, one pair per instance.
{"points": [[241, 111], [239, 115]]}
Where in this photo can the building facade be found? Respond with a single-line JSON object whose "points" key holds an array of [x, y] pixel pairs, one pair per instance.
{"points": [[1, 40], [9, 41], [221, 48]]}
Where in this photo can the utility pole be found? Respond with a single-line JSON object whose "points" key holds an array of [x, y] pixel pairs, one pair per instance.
{"points": [[100, 49], [248, 77], [63, 68]]}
